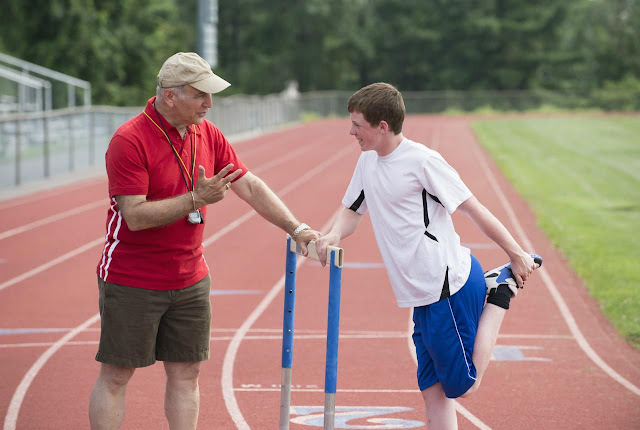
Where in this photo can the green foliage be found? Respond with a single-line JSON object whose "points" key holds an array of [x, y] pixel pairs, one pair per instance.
{"points": [[118, 45], [599, 41], [279, 41], [581, 176], [464, 45], [468, 45], [621, 95]]}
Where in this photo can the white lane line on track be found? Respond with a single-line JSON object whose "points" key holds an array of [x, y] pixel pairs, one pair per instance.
{"points": [[435, 137], [225, 338], [20, 331], [14, 407], [46, 344], [34, 330], [321, 336], [339, 390], [272, 163], [51, 263], [53, 218], [49, 190], [18, 396], [232, 349], [31, 331], [435, 144], [210, 240], [548, 282], [461, 409]]}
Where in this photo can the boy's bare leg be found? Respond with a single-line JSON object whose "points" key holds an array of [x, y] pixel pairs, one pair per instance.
{"points": [[441, 411], [486, 337]]}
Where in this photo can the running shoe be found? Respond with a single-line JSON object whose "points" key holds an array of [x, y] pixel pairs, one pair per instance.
{"points": [[502, 275]]}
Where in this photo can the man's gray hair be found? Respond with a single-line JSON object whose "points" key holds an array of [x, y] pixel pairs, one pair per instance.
{"points": [[179, 91]]}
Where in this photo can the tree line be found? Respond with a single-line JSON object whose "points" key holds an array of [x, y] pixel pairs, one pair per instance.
{"points": [[119, 45]]}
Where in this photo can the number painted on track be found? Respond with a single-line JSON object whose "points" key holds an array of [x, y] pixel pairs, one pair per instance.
{"points": [[313, 416]]}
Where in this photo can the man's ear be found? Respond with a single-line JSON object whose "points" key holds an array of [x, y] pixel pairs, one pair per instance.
{"points": [[168, 97]]}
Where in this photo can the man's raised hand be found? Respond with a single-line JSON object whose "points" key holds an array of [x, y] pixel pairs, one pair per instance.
{"points": [[213, 189]]}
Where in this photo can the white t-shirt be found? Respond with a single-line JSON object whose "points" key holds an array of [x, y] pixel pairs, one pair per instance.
{"points": [[410, 195]]}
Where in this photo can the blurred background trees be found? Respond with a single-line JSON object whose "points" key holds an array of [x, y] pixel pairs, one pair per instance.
{"points": [[119, 45]]}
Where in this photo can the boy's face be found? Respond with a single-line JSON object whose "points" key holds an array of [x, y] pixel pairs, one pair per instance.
{"points": [[368, 136]]}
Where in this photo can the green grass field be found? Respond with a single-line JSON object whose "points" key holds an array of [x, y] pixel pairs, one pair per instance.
{"points": [[581, 175]]}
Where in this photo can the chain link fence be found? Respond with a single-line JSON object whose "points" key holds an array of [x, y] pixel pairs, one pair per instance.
{"points": [[37, 146]]}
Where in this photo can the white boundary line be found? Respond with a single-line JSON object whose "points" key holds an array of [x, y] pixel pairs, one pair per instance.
{"points": [[226, 338], [16, 401], [319, 336], [436, 138], [382, 334], [51, 263], [548, 282], [205, 243], [232, 349], [461, 409], [18, 396], [344, 390], [61, 184], [53, 218]]}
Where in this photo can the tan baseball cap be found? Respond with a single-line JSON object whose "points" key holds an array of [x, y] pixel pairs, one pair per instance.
{"points": [[188, 68]]}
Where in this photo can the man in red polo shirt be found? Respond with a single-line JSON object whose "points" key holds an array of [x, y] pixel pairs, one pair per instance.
{"points": [[164, 167]]}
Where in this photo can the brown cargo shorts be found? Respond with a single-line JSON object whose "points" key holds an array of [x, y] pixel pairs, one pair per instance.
{"points": [[139, 326]]}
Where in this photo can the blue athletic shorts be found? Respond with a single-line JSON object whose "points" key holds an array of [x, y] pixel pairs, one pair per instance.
{"points": [[444, 335]]}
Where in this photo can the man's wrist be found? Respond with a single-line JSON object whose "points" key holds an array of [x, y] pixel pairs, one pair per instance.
{"points": [[299, 230], [197, 201]]}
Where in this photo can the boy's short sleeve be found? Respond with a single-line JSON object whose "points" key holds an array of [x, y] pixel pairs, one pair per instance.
{"points": [[354, 198], [443, 182]]}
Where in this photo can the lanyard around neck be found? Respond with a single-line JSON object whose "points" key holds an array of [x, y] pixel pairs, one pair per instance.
{"points": [[194, 148]]}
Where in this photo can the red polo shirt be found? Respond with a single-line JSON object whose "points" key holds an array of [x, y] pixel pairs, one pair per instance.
{"points": [[140, 161]]}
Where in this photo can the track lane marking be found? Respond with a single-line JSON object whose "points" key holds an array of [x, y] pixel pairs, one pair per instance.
{"points": [[459, 408], [435, 142], [88, 206], [232, 349], [31, 330], [52, 218], [548, 281], [47, 192], [51, 263], [205, 243], [339, 390], [321, 336], [18, 396]]}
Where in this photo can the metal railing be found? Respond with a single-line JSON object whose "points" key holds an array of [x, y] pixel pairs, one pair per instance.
{"points": [[41, 145], [40, 100], [36, 146], [28, 69]]}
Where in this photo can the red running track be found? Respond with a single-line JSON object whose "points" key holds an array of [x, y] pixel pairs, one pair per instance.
{"points": [[558, 363]]}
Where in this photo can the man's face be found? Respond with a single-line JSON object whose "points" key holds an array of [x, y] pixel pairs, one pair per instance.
{"points": [[368, 136], [192, 107]]}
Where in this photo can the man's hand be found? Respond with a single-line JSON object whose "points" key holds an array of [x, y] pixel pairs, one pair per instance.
{"points": [[304, 237], [330, 239], [213, 189]]}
